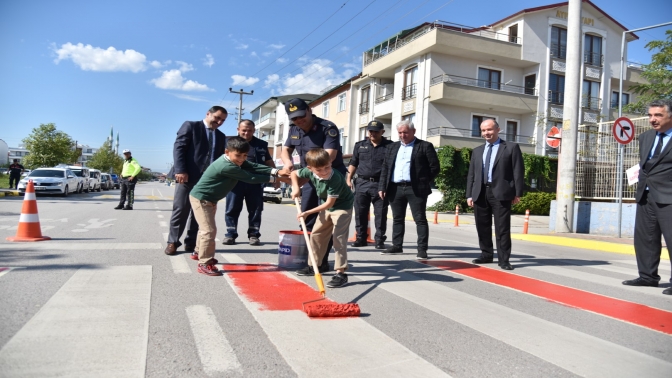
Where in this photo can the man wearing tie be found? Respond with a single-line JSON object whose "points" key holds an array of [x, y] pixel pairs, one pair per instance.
{"points": [[654, 195], [495, 182], [197, 145]]}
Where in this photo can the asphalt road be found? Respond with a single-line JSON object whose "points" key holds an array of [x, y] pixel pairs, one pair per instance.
{"points": [[102, 299]]}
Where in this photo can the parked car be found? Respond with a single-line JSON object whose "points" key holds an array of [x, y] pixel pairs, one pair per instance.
{"points": [[272, 194], [82, 173], [94, 179], [106, 181], [115, 180], [51, 180], [25, 173]]}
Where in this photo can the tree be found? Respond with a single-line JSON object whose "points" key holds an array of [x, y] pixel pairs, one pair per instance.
{"points": [[658, 74], [48, 147], [105, 158]]}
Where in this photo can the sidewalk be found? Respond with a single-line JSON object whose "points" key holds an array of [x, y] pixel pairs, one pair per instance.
{"points": [[9, 192]]}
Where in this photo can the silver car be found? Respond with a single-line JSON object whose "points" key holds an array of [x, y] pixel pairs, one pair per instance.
{"points": [[51, 180]]}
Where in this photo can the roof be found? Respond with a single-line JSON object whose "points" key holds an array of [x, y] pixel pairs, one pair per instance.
{"points": [[307, 97], [336, 88]]}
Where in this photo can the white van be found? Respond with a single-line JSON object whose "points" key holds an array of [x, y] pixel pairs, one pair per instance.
{"points": [[82, 174], [94, 179]]}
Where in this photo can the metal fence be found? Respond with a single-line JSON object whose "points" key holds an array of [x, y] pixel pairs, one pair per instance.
{"points": [[597, 161]]}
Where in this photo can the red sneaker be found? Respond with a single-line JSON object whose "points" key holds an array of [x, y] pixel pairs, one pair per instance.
{"points": [[194, 255], [209, 270]]}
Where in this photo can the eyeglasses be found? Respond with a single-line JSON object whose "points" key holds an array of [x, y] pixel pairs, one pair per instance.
{"points": [[295, 118]]}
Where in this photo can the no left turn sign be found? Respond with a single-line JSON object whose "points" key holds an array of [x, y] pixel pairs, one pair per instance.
{"points": [[623, 130]]}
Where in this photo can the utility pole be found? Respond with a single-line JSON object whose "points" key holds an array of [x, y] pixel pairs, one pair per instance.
{"points": [[564, 214], [240, 104]]}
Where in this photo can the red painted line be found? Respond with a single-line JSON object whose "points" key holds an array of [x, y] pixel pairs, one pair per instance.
{"points": [[645, 316], [269, 287]]}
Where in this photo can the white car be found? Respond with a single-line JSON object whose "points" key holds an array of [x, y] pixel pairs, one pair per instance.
{"points": [[95, 179], [51, 180], [272, 194]]}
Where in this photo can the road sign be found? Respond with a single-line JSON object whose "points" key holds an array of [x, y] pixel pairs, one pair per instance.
{"points": [[623, 130], [553, 137]]}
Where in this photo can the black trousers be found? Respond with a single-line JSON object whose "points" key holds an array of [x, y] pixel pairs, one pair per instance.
{"points": [[484, 208], [309, 200], [253, 196], [651, 221], [400, 196], [181, 214], [14, 181], [366, 194], [127, 192]]}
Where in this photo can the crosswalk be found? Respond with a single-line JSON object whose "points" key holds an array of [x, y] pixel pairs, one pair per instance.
{"points": [[98, 322]]}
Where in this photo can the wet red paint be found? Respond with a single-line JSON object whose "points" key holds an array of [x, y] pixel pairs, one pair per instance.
{"points": [[630, 312], [333, 310]]}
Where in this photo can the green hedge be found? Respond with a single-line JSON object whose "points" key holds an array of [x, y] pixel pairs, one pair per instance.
{"points": [[539, 203]]}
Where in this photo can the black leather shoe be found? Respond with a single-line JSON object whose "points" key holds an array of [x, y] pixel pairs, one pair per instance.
{"points": [[119, 207], [422, 255], [393, 250], [668, 291], [128, 208], [360, 243], [640, 282], [506, 266], [380, 245], [482, 260], [189, 248]]}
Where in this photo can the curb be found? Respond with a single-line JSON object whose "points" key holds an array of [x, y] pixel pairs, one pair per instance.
{"points": [[593, 245]]}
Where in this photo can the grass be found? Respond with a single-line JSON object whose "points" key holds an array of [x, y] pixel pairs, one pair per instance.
{"points": [[4, 181]]}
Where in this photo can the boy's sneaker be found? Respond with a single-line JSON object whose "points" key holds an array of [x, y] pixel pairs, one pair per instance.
{"points": [[228, 241], [340, 279], [194, 255], [307, 271], [209, 270], [254, 240]]}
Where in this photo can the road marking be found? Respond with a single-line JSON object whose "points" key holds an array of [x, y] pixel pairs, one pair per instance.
{"points": [[630, 312], [159, 216], [577, 352], [180, 264], [7, 269], [165, 237], [232, 258], [163, 224], [214, 350], [65, 246], [594, 245], [96, 324], [301, 340]]}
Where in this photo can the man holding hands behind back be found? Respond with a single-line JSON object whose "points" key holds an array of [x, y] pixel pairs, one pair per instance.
{"points": [[494, 183]]}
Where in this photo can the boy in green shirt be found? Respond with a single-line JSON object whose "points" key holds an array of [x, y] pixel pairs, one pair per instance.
{"points": [[217, 181], [335, 213]]}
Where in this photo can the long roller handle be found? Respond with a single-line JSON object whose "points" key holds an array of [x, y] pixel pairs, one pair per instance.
{"points": [[313, 262]]}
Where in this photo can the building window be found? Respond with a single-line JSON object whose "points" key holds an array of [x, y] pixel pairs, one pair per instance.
{"points": [[559, 42], [556, 89], [590, 98], [592, 50], [341, 131], [410, 83], [513, 33], [362, 133], [476, 121], [530, 85], [409, 117], [488, 78], [614, 99], [89, 151], [364, 102], [325, 109], [511, 131], [341, 102]]}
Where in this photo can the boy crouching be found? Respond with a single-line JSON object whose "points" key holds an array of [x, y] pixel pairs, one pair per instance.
{"points": [[334, 215], [217, 181]]}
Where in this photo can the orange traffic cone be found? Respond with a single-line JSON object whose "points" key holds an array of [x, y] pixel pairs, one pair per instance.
{"points": [[29, 222], [368, 232]]}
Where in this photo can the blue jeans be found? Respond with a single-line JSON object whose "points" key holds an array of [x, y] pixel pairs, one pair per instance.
{"points": [[253, 195]]}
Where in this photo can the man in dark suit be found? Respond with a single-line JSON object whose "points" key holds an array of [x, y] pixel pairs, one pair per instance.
{"points": [[197, 145], [654, 195], [495, 182], [408, 170]]}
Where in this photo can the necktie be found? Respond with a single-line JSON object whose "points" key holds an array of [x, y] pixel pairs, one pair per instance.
{"points": [[486, 171], [659, 146], [209, 146]]}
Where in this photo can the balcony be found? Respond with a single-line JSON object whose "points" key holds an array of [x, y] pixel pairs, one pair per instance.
{"points": [[592, 103], [594, 59], [387, 97], [558, 51], [459, 138], [409, 92], [556, 97], [463, 91], [268, 138], [266, 120], [364, 107]]}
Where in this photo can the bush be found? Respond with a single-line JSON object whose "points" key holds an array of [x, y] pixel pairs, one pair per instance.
{"points": [[538, 203]]}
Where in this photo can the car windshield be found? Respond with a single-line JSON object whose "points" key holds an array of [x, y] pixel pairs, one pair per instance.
{"points": [[78, 172], [46, 173]]}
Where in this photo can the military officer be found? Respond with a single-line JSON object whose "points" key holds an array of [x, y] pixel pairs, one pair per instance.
{"points": [[307, 131], [252, 194], [367, 161]]}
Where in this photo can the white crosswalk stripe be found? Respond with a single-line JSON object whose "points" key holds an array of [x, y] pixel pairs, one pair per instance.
{"points": [[213, 348]]}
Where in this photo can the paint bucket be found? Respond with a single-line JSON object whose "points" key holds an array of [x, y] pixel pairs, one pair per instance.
{"points": [[292, 250]]}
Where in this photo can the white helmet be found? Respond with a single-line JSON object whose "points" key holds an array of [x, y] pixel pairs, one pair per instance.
{"points": [[126, 151]]}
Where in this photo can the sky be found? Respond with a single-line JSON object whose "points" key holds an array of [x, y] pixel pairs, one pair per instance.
{"points": [[145, 67]]}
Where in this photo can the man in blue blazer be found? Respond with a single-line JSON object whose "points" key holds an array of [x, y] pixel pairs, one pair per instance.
{"points": [[198, 144]]}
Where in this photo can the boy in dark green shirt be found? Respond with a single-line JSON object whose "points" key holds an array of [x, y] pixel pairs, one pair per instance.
{"points": [[335, 213], [217, 181]]}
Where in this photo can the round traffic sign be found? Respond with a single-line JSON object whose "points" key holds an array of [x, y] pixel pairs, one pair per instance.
{"points": [[553, 137], [623, 130]]}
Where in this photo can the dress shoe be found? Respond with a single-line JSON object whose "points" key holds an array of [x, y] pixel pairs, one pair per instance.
{"points": [[393, 250], [640, 282], [171, 249], [128, 208], [380, 245], [119, 207], [422, 255], [482, 260], [506, 266], [189, 248], [668, 291], [360, 243]]}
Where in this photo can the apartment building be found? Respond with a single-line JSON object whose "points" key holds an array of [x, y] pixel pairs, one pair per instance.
{"points": [[17, 153], [447, 78]]}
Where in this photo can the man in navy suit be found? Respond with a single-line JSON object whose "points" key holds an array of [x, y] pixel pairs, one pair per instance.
{"points": [[495, 182], [197, 145], [654, 195]]}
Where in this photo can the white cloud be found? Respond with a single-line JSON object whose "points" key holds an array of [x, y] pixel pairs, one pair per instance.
{"points": [[276, 46], [281, 60], [242, 46], [270, 80], [208, 60], [172, 79], [184, 66], [245, 81], [90, 58], [156, 64], [254, 54], [315, 75]]}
